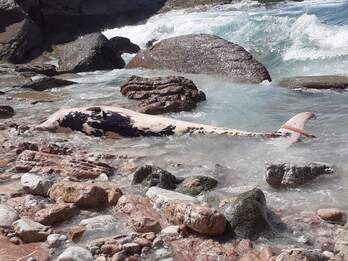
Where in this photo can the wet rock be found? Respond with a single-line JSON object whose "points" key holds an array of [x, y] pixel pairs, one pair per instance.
{"points": [[37, 68], [7, 216], [30, 231], [194, 185], [84, 195], [55, 240], [300, 254], [6, 111], [142, 217], [330, 214], [159, 196], [26, 146], [316, 82], [36, 185], [45, 163], [202, 54], [201, 219], [94, 53], [53, 148], [27, 205], [131, 248], [162, 94], [76, 254], [264, 254], [248, 216], [123, 45], [99, 224], [112, 191], [292, 175], [55, 213]]}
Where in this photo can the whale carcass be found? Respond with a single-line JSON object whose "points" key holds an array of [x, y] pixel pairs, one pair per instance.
{"points": [[115, 122]]}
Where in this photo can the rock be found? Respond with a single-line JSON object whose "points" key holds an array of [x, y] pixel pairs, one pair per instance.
{"points": [[36, 185], [27, 205], [248, 216], [162, 94], [160, 196], [203, 54], [84, 195], [316, 82], [142, 217], [131, 248], [300, 254], [6, 111], [30, 231], [37, 68], [112, 191], [18, 33], [201, 219], [330, 214], [99, 225], [123, 45], [26, 146], [7, 216], [177, 4], [55, 213], [194, 185], [76, 232], [94, 53], [53, 148], [55, 240], [75, 254], [292, 175], [44, 163], [38, 97]]}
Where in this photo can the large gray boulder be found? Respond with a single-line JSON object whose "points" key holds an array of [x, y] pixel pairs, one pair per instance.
{"points": [[202, 54]]}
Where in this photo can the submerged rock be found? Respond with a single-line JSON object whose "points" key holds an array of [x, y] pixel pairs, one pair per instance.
{"points": [[194, 185], [123, 45], [247, 215], [330, 214], [162, 94], [30, 231], [292, 175], [6, 111], [201, 219], [75, 253], [316, 82], [202, 54]]}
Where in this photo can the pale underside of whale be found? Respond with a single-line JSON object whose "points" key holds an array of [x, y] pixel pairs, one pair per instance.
{"points": [[115, 122]]}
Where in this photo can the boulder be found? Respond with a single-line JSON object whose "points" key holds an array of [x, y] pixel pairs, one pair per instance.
{"points": [[56, 240], [55, 213], [247, 215], [160, 197], [202, 54], [35, 184], [45, 163], [294, 175], [26, 146], [142, 217], [162, 94], [123, 45], [316, 82], [7, 216], [30, 231], [6, 111], [203, 220], [75, 253], [84, 195], [90, 52]]}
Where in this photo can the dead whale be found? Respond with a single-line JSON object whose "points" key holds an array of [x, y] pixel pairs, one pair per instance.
{"points": [[117, 122]]}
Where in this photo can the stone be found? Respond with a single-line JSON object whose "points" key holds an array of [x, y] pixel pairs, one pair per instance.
{"points": [[45, 163], [142, 217], [159, 196], [99, 224], [84, 195], [94, 53], [26, 146], [37, 97], [300, 254], [195, 185], [162, 94], [330, 214], [294, 175], [202, 54], [55, 213], [7, 216], [55, 240], [35, 184], [248, 216], [6, 111], [37, 68], [75, 253], [203, 220], [123, 45], [316, 82], [27, 205], [30, 231]]}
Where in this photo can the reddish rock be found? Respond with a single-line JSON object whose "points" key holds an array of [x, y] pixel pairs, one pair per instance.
{"points": [[45, 163], [111, 249], [27, 205], [55, 213], [30, 231], [75, 233], [330, 214], [265, 254], [201, 219]]}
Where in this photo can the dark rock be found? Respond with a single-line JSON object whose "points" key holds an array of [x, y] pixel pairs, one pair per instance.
{"points": [[291, 175], [248, 216], [26, 146], [162, 94], [123, 45], [194, 185], [180, 4], [90, 52], [316, 82], [30, 231], [150, 43], [45, 69], [6, 111], [203, 54], [56, 149]]}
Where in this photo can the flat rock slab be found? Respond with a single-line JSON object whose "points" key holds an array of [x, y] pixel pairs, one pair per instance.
{"points": [[162, 94], [202, 54], [316, 82], [30, 231]]}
